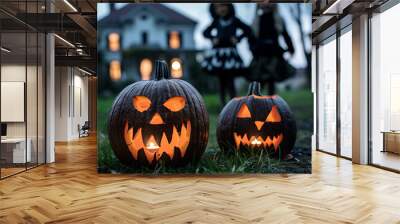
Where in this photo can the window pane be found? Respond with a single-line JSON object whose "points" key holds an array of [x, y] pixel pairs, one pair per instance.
{"points": [[146, 67], [176, 68], [31, 98], [115, 70], [385, 84], [113, 41], [174, 40], [346, 94], [327, 97], [13, 85], [41, 99]]}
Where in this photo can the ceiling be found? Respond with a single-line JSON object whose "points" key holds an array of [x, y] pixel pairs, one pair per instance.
{"points": [[76, 22], [331, 15], [72, 20]]}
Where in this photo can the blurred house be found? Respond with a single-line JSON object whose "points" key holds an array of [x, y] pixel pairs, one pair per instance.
{"points": [[131, 38]]}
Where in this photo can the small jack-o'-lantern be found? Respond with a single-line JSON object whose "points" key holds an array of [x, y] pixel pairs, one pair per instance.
{"points": [[257, 122], [161, 120]]}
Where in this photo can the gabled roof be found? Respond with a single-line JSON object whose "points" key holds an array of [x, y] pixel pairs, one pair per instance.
{"points": [[170, 15]]}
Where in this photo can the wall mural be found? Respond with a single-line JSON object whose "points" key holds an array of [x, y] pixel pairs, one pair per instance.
{"points": [[163, 109]]}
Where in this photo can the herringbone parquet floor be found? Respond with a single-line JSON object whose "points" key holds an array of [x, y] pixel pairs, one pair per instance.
{"points": [[71, 191]]}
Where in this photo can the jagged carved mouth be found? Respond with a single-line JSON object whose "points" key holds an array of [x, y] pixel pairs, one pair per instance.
{"points": [[257, 141], [153, 147]]}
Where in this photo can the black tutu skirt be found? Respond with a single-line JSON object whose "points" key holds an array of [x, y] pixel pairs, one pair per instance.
{"points": [[223, 61], [266, 69]]}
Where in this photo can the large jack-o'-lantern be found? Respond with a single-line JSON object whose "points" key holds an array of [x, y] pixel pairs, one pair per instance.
{"points": [[158, 121], [257, 122]]}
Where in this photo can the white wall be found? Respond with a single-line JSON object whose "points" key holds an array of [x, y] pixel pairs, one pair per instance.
{"points": [[61, 103], [80, 100], [71, 94]]}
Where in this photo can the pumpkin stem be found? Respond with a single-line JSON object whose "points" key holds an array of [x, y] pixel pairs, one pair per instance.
{"points": [[161, 71], [254, 89]]}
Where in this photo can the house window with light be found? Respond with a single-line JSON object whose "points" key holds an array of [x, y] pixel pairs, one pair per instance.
{"points": [[146, 68], [176, 68], [113, 42], [174, 39], [115, 70]]}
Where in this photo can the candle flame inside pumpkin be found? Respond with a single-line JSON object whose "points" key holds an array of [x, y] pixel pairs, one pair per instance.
{"points": [[256, 142], [152, 144]]}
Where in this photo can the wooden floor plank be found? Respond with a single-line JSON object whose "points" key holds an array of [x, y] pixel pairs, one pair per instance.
{"points": [[71, 191]]}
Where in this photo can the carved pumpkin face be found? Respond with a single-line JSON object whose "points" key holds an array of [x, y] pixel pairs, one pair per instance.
{"points": [[159, 120], [256, 122]]}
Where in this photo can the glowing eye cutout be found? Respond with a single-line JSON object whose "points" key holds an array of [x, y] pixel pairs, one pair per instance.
{"points": [[244, 112], [175, 103], [141, 103], [274, 115]]}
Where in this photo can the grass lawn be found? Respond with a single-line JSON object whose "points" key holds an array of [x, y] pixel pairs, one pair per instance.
{"points": [[213, 160]]}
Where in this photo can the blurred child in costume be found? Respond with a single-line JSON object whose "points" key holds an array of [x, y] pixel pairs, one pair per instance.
{"points": [[223, 60], [268, 65]]}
